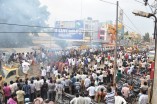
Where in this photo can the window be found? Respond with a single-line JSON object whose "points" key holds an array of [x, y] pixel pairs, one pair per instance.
{"points": [[87, 34], [102, 32], [11, 73]]}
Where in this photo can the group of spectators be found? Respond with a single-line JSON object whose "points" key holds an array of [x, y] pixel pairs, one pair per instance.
{"points": [[88, 76]]}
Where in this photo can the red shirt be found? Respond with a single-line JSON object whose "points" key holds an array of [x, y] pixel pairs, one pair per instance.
{"points": [[152, 70], [126, 56], [109, 57]]}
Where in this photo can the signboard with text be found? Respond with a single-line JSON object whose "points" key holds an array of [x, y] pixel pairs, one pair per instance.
{"points": [[69, 30], [68, 34]]}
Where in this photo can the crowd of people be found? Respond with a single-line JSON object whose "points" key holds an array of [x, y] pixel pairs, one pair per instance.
{"points": [[87, 74]]}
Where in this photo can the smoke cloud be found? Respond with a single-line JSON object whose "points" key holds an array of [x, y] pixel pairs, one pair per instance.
{"points": [[24, 12]]}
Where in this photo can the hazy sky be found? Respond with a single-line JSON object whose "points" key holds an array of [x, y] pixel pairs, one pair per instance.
{"points": [[98, 10]]}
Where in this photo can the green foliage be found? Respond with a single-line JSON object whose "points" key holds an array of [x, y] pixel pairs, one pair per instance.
{"points": [[146, 38], [126, 33]]}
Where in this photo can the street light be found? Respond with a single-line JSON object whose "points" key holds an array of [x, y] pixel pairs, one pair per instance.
{"points": [[147, 15], [154, 85], [146, 2], [142, 14]]}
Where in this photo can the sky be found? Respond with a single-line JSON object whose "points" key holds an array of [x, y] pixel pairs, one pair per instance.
{"points": [[61, 10]]}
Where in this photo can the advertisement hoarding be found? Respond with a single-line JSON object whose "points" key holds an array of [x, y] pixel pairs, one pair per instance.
{"points": [[68, 34], [69, 29]]}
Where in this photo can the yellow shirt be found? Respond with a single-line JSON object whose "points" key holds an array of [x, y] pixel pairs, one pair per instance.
{"points": [[20, 95]]}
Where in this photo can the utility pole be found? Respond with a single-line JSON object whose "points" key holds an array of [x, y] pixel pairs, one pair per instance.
{"points": [[115, 51], [154, 85], [153, 95]]}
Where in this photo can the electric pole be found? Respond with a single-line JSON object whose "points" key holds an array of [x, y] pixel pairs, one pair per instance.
{"points": [[115, 51], [153, 8]]}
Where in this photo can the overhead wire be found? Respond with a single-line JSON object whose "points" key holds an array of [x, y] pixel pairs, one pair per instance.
{"points": [[13, 24], [127, 26], [150, 6], [131, 21], [23, 25], [125, 15], [107, 2], [43, 32]]}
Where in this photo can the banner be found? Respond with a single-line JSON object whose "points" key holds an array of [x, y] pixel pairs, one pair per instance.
{"points": [[69, 29], [68, 34]]}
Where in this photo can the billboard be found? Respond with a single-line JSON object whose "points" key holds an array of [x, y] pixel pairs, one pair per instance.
{"points": [[69, 29], [68, 34]]}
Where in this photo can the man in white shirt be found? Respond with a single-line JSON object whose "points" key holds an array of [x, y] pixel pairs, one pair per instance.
{"points": [[56, 73], [121, 69], [70, 61], [100, 77], [87, 99], [87, 82], [12, 87], [81, 99], [74, 100], [43, 72], [143, 99], [95, 66], [83, 76], [37, 86], [99, 87], [94, 75], [43, 56], [106, 62], [119, 62], [91, 91], [98, 60], [131, 69], [89, 60], [48, 70], [15, 85], [119, 99], [73, 62], [25, 68]]}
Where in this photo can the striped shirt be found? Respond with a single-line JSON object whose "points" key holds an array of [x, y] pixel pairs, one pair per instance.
{"points": [[110, 98]]}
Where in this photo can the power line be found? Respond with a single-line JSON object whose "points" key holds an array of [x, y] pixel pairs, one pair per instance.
{"points": [[126, 26], [139, 2], [25, 25], [150, 6], [124, 14], [107, 2], [131, 21], [45, 32], [13, 24]]}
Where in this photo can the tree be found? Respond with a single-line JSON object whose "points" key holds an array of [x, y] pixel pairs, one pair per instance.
{"points": [[22, 12], [146, 38], [126, 33]]}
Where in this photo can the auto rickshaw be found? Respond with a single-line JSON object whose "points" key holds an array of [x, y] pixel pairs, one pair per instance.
{"points": [[9, 73]]}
